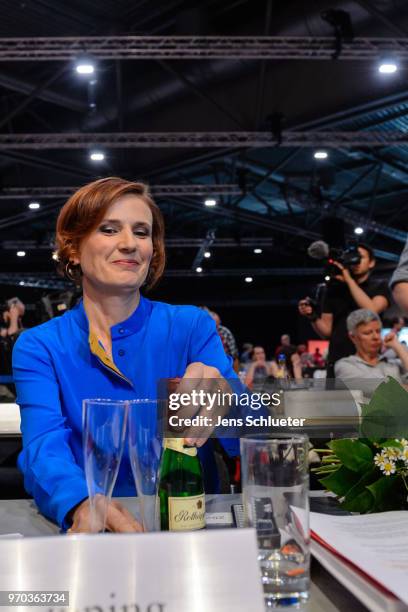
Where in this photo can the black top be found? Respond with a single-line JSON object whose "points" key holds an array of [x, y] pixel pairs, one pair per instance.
{"points": [[339, 302]]}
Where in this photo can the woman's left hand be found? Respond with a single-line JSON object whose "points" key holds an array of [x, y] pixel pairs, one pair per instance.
{"points": [[202, 384]]}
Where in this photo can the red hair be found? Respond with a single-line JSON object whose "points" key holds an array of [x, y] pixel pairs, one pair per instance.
{"points": [[86, 208]]}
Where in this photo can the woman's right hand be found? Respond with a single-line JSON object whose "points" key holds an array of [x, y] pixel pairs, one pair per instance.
{"points": [[118, 518]]}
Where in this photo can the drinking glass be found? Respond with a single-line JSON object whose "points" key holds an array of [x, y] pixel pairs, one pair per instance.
{"points": [[275, 486], [103, 435], [145, 447]]}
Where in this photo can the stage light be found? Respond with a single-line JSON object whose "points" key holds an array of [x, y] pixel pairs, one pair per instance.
{"points": [[21, 283], [320, 155], [358, 230], [34, 205], [97, 156], [199, 269], [55, 256], [258, 251], [210, 202], [207, 254], [327, 278], [21, 253], [84, 67], [387, 67], [248, 279]]}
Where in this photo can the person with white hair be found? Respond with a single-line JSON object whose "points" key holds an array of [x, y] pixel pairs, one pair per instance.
{"points": [[364, 329]]}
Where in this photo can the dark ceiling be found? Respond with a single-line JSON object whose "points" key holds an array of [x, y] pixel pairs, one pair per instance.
{"points": [[276, 197]]}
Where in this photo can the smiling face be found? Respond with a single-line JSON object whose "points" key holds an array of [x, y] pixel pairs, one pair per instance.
{"points": [[116, 255]]}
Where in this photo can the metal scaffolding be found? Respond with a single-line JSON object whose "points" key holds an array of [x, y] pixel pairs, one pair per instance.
{"points": [[21, 193], [198, 47], [141, 140], [223, 243]]}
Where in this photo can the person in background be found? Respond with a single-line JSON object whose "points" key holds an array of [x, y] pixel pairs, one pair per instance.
{"points": [[364, 328], [13, 326], [260, 369], [247, 349], [399, 281], [318, 359], [227, 338], [306, 360], [288, 350], [397, 323], [353, 289]]}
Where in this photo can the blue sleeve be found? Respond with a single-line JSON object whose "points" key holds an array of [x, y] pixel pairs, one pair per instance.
{"points": [[51, 473], [206, 347]]}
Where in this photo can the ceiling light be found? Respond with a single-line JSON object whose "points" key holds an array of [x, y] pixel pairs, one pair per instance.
{"points": [[320, 155], [55, 256], [21, 253], [327, 278], [388, 67], [34, 205], [85, 67], [199, 269], [97, 156], [210, 202], [248, 279], [207, 254], [21, 283], [358, 230], [257, 251]]}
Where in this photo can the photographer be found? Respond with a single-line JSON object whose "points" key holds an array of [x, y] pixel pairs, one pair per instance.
{"points": [[353, 289]]}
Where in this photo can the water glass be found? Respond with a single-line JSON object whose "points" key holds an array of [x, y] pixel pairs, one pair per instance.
{"points": [[103, 435], [275, 486], [145, 447]]}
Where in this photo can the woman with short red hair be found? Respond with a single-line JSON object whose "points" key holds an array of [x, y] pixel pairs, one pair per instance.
{"points": [[114, 344]]}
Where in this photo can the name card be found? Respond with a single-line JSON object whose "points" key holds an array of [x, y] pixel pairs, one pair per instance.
{"points": [[153, 572]]}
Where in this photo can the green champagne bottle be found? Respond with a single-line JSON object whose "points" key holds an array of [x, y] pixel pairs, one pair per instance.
{"points": [[181, 488]]}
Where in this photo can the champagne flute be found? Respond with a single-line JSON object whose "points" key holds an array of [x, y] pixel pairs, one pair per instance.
{"points": [[103, 435], [145, 447]]}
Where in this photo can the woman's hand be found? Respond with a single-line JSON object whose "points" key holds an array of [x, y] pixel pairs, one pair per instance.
{"points": [[199, 382], [118, 518]]}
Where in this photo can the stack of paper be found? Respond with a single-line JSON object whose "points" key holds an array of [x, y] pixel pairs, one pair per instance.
{"points": [[368, 554]]}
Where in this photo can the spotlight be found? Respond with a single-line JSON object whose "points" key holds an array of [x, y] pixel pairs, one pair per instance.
{"points": [[34, 205], [97, 156], [320, 155], [327, 278], [207, 254], [21, 253], [248, 279], [258, 251], [358, 230], [210, 202], [199, 269], [55, 256], [387, 67], [21, 283], [84, 67]]}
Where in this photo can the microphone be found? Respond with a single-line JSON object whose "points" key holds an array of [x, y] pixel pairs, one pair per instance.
{"points": [[318, 250]]}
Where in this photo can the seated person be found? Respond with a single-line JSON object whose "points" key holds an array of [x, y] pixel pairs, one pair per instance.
{"points": [[115, 343], [364, 328], [260, 369]]}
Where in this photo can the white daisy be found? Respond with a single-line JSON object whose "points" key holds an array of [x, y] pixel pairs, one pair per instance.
{"points": [[388, 467]]}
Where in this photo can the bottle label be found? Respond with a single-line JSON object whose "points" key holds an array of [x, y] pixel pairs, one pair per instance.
{"points": [[186, 513], [177, 444]]}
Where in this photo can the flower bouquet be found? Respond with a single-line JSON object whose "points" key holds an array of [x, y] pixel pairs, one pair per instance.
{"points": [[370, 474]]}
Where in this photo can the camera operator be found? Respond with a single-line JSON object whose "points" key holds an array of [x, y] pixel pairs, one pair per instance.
{"points": [[353, 289], [13, 313]]}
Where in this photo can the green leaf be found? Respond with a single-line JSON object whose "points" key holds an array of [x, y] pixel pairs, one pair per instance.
{"points": [[360, 485], [363, 503], [385, 493], [340, 481], [391, 442], [354, 455], [386, 415]]}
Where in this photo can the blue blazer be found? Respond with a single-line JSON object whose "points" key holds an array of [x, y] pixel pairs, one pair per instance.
{"points": [[59, 363]]}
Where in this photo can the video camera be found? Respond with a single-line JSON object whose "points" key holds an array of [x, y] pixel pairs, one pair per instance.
{"points": [[348, 257]]}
